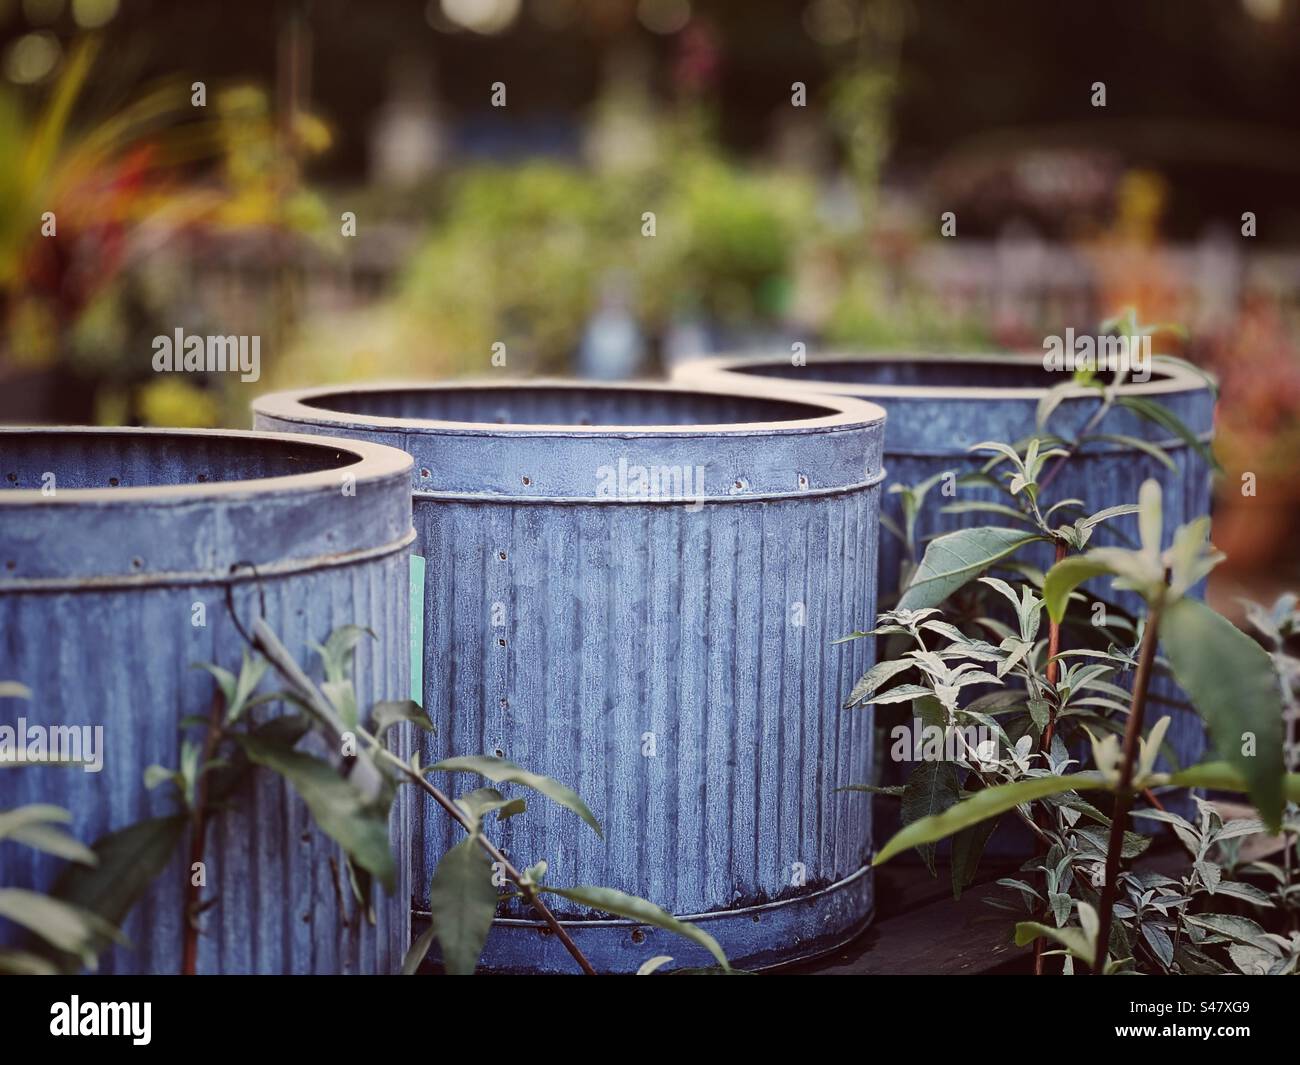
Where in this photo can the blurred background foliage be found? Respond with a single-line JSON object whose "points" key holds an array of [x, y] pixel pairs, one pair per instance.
{"points": [[343, 188]]}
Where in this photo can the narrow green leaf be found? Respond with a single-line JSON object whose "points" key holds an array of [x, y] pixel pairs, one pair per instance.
{"points": [[160, 774], [932, 787], [387, 713], [1136, 443], [955, 558], [609, 900], [1073, 939], [874, 678], [33, 814], [1150, 517], [984, 804], [226, 680], [1222, 776], [65, 927], [462, 903], [1007, 452], [128, 862], [52, 840], [251, 671], [1107, 513], [358, 825], [419, 951], [482, 801], [22, 963], [904, 693], [967, 849], [1231, 682], [1240, 929], [336, 654], [1052, 399], [1064, 578], [1247, 892], [499, 770], [512, 808], [1166, 419]]}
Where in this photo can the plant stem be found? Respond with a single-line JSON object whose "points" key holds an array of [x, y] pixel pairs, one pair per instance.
{"points": [[1053, 665], [1123, 792], [1053, 671], [525, 888], [1102, 408], [198, 836], [269, 645]]}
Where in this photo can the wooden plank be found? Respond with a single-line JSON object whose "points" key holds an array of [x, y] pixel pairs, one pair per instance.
{"points": [[922, 931], [942, 937]]}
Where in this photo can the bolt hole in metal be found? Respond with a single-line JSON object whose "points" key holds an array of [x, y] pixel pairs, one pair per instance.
{"points": [[499, 753], [113, 481], [501, 642], [137, 563], [425, 473], [803, 481], [528, 480], [638, 936], [501, 555]]}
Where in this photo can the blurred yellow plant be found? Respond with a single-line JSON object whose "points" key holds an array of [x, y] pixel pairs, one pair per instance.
{"points": [[177, 401]]}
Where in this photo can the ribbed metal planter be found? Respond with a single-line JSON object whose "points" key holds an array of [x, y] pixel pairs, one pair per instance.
{"points": [[938, 406], [673, 662], [99, 586]]}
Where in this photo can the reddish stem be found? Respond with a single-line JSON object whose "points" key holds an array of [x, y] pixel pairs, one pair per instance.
{"points": [[1053, 671], [1123, 793], [198, 835]]}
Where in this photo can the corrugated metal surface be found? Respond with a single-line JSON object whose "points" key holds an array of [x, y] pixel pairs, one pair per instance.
{"points": [[674, 664], [938, 407], [97, 594]]}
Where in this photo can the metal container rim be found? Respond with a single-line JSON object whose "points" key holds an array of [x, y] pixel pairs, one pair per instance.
{"points": [[840, 412], [1168, 377], [366, 461]]}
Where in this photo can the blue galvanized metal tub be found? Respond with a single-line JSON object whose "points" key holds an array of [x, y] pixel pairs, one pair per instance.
{"points": [[940, 405], [672, 661], [100, 584]]}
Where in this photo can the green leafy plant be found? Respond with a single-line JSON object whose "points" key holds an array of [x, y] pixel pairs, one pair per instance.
{"points": [[463, 895], [61, 928], [1071, 689], [339, 764], [1244, 716]]}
